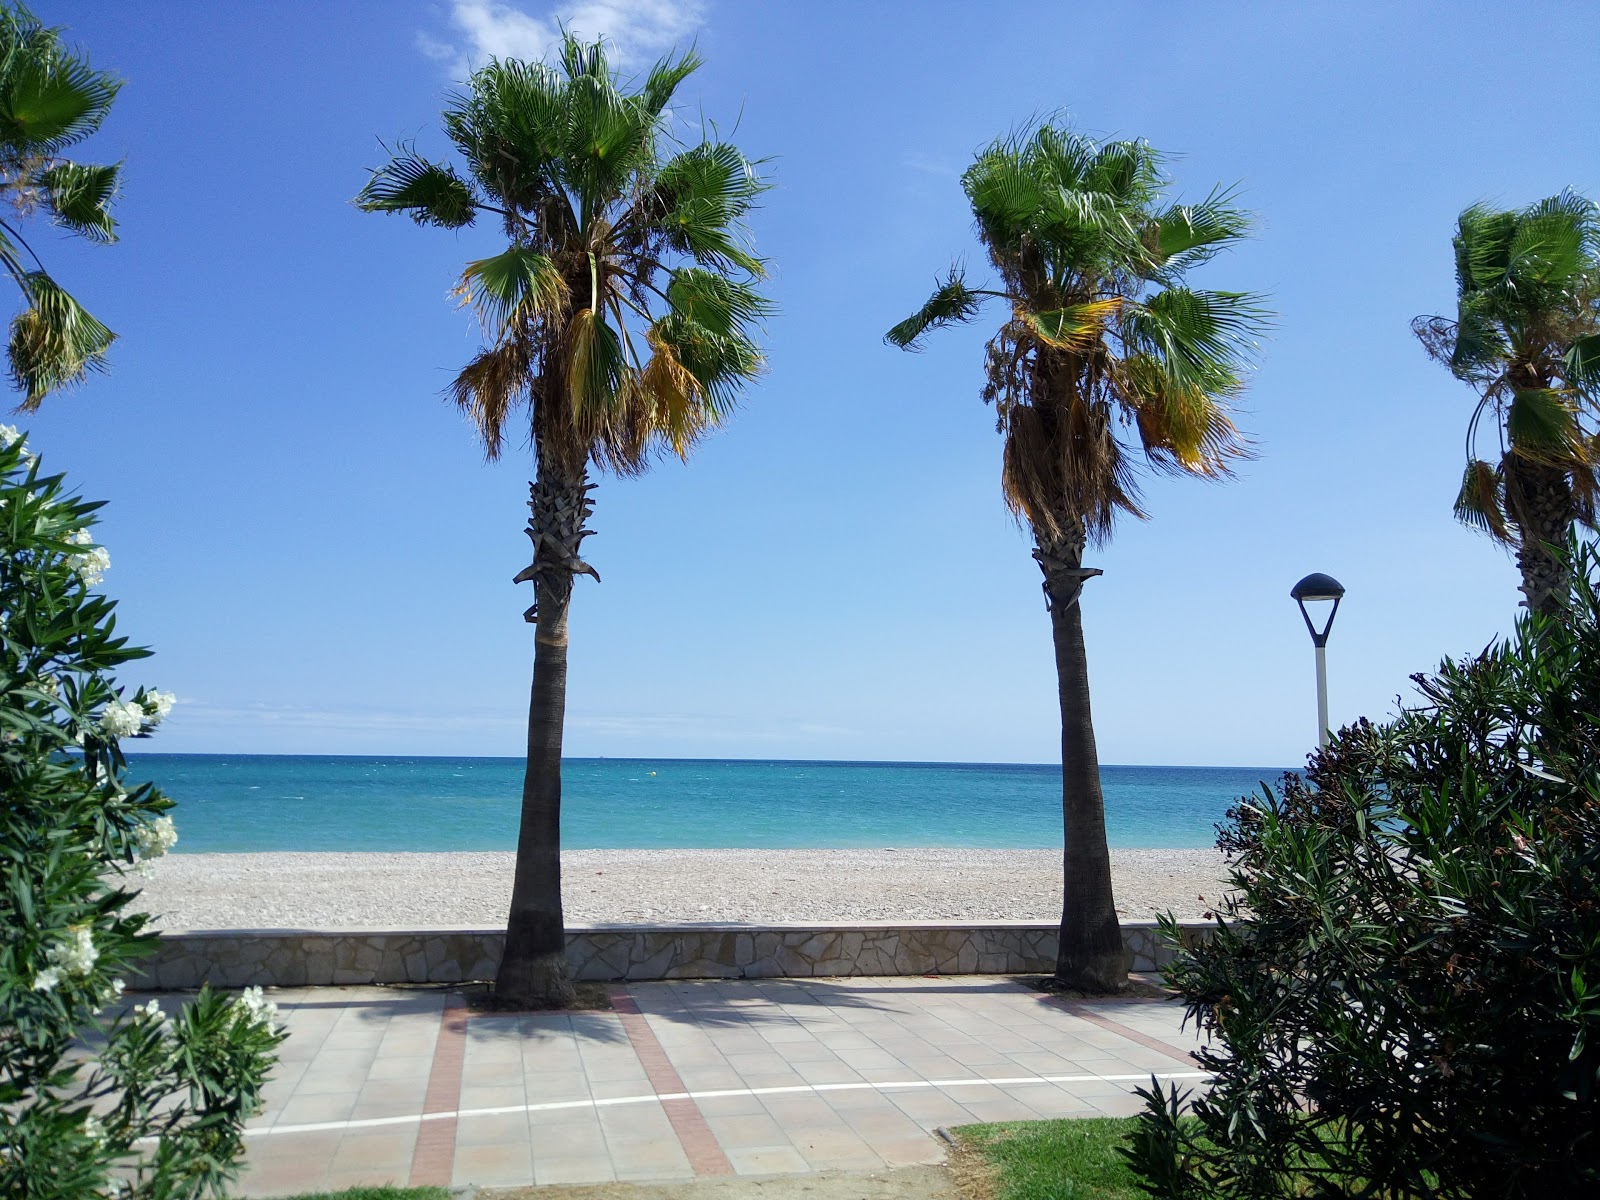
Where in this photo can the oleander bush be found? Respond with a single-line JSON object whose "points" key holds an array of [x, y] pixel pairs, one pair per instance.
{"points": [[98, 1097], [1403, 995]]}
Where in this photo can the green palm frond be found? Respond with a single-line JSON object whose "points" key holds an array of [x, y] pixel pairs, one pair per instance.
{"points": [[1189, 234], [1199, 337], [715, 173], [54, 341], [49, 97], [1582, 362], [1075, 327], [1547, 248], [1006, 197], [952, 303], [716, 302], [79, 196], [662, 82], [721, 362], [429, 193], [515, 284], [595, 367], [1542, 427], [698, 201], [511, 125]]}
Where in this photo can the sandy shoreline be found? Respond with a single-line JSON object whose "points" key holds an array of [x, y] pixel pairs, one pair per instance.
{"points": [[471, 890]]}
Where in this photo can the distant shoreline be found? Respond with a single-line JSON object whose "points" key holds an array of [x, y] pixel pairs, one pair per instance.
{"points": [[466, 889]]}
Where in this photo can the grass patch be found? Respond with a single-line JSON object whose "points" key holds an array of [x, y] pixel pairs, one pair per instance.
{"points": [[1046, 1160]]}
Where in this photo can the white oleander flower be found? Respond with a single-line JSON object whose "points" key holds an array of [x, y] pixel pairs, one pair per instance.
{"points": [[50, 685], [151, 1010], [77, 955], [253, 1006], [158, 704], [92, 564], [94, 1129], [155, 837], [46, 980], [8, 436], [122, 718]]}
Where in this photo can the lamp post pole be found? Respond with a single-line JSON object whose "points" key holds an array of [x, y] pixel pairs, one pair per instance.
{"points": [[1319, 587]]}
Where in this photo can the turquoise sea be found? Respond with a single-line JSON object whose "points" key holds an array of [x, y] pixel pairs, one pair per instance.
{"points": [[273, 802]]}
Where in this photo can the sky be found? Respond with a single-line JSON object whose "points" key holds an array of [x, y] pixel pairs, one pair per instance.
{"points": [[308, 537]]}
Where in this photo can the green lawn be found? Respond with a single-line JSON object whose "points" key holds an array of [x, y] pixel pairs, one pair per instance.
{"points": [[1050, 1160]]}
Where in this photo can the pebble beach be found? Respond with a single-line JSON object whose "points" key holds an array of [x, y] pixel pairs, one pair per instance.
{"points": [[472, 890]]}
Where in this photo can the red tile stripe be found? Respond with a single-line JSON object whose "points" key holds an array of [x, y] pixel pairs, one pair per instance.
{"points": [[1084, 1013], [699, 1144], [434, 1159]]}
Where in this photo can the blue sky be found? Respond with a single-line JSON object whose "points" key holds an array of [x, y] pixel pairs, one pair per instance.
{"points": [[307, 536]]}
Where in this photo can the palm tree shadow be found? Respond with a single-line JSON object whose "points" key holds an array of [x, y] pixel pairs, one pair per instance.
{"points": [[729, 1003]]}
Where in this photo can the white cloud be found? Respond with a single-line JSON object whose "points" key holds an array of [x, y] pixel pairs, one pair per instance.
{"points": [[637, 30]]}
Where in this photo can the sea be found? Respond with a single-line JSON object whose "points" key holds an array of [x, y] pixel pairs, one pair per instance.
{"points": [[241, 803]]}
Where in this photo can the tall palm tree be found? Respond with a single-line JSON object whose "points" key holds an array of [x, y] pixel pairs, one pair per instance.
{"points": [[620, 317], [1106, 361], [1527, 337], [50, 99]]}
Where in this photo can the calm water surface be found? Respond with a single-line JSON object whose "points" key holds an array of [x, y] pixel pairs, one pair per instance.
{"points": [[271, 802]]}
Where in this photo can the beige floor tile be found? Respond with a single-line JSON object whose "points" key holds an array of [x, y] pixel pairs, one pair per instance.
{"points": [[401, 1066], [498, 1129], [494, 1166], [309, 1108], [772, 1160], [573, 1169]]}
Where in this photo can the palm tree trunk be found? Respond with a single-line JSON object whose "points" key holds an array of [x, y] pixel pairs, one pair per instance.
{"points": [[1542, 505], [1089, 956], [533, 971]]}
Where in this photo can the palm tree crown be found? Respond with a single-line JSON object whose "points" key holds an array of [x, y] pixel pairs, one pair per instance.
{"points": [[50, 99], [1526, 336], [1107, 356], [621, 313]]}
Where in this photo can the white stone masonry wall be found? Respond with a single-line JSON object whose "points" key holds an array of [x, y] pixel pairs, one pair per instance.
{"points": [[313, 957]]}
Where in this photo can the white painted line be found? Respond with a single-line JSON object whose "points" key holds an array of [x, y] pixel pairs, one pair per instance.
{"points": [[653, 1098]]}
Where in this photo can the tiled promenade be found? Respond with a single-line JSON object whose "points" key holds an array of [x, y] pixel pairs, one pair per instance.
{"points": [[706, 1078]]}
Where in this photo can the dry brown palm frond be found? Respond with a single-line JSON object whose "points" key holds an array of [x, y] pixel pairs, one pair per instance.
{"points": [[674, 394], [490, 386], [1438, 337]]}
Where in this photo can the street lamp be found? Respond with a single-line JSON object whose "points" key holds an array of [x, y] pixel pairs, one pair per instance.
{"points": [[1319, 587]]}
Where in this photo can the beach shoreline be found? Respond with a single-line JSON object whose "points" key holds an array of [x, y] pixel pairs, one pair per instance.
{"points": [[466, 890]]}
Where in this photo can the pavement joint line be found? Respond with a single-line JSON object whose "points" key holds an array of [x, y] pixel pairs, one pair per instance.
{"points": [[788, 1089]]}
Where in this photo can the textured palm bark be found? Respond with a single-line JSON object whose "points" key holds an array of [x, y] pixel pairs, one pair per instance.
{"points": [[533, 971], [1541, 503], [1090, 954]]}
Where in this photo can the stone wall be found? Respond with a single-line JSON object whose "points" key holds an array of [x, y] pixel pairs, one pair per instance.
{"points": [[311, 957]]}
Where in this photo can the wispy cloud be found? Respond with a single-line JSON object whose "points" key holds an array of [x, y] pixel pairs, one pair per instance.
{"points": [[929, 164], [638, 30]]}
